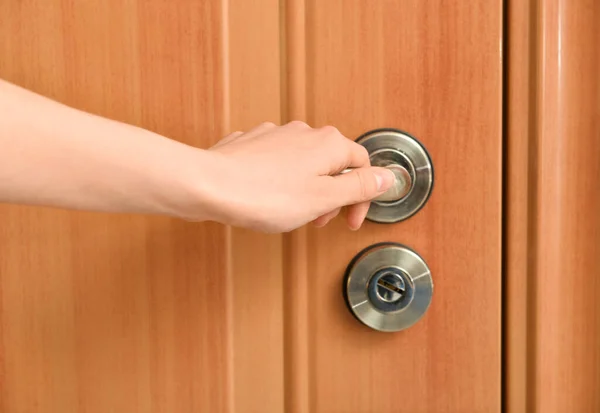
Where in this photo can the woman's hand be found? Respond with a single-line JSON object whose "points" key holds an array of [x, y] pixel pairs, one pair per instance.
{"points": [[271, 178], [278, 178]]}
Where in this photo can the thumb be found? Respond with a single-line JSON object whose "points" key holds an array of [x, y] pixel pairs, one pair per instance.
{"points": [[363, 184]]}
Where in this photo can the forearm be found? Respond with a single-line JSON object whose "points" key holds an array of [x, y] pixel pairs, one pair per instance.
{"points": [[55, 155], [270, 178]]}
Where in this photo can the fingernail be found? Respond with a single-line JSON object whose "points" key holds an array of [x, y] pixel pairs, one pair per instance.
{"points": [[385, 179]]}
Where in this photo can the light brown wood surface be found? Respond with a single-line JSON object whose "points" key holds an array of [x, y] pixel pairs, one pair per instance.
{"points": [[253, 36], [142, 314], [435, 71], [136, 314], [553, 207]]}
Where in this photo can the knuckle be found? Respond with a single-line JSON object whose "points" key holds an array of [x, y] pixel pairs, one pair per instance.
{"points": [[363, 190], [298, 124], [333, 134], [335, 138], [362, 152], [267, 124], [331, 130]]}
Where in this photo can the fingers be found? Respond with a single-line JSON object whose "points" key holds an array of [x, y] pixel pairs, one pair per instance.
{"points": [[360, 185], [266, 126], [358, 157], [356, 215], [324, 219], [342, 151], [258, 130], [296, 125], [262, 128]]}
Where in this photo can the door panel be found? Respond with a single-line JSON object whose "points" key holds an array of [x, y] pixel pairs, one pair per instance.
{"points": [[106, 312], [434, 70], [252, 45], [100, 312]]}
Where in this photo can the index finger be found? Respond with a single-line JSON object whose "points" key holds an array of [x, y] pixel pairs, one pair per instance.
{"points": [[358, 156], [349, 155]]}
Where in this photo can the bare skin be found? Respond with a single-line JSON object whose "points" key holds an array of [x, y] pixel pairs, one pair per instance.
{"points": [[270, 178]]}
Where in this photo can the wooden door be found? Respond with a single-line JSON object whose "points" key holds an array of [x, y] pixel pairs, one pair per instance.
{"points": [[104, 313]]}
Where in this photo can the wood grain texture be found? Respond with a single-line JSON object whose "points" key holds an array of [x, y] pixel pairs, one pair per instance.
{"points": [[106, 313], [553, 225], [519, 205], [433, 69], [138, 314], [296, 293], [257, 266]]}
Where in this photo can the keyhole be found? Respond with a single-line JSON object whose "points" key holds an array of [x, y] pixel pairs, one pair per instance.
{"points": [[390, 287]]}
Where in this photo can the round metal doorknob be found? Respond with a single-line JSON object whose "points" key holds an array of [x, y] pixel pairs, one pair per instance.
{"points": [[401, 187], [412, 166], [388, 287]]}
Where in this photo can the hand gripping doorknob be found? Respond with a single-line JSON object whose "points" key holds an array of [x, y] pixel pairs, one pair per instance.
{"points": [[412, 167]]}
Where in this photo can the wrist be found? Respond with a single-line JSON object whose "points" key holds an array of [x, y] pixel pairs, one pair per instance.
{"points": [[202, 193], [171, 178]]}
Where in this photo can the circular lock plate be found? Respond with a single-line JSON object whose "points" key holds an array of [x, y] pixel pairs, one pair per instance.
{"points": [[388, 287], [392, 146]]}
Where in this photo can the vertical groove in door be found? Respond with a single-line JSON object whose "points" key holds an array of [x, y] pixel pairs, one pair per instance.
{"points": [[552, 226], [521, 204], [529, 309], [503, 219], [295, 292], [228, 270], [256, 266]]}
